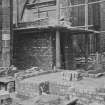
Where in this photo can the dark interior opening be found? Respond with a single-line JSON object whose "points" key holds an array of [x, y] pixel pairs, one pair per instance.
{"points": [[33, 49]]}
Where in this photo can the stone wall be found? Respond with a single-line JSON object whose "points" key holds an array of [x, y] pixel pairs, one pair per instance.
{"points": [[34, 49]]}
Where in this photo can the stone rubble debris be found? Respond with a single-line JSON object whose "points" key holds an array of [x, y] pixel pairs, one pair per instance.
{"points": [[71, 75]]}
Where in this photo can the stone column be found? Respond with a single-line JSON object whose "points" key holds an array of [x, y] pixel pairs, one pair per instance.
{"points": [[58, 50], [6, 31]]}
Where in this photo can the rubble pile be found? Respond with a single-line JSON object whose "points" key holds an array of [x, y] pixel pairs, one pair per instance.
{"points": [[5, 98], [85, 95], [34, 71], [71, 75], [29, 73], [69, 84], [4, 71]]}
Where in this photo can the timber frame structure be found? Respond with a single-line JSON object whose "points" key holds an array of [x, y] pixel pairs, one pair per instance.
{"points": [[59, 24]]}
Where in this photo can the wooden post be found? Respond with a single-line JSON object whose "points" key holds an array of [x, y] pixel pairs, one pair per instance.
{"points": [[6, 31]]}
